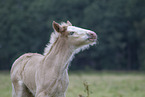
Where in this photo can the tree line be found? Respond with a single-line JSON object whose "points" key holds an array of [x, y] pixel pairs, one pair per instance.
{"points": [[26, 26]]}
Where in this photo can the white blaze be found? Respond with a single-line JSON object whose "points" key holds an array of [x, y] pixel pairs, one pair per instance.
{"points": [[77, 30]]}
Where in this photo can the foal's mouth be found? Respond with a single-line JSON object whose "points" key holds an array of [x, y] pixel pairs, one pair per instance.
{"points": [[92, 39]]}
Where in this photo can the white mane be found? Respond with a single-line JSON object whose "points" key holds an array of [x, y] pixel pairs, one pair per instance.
{"points": [[53, 38]]}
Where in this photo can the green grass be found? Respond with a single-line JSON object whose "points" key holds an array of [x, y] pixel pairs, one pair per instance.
{"points": [[101, 84], [5, 84]]}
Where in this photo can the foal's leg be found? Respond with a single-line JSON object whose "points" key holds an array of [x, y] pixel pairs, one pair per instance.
{"points": [[13, 91], [20, 90], [42, 94], [62, 95]]}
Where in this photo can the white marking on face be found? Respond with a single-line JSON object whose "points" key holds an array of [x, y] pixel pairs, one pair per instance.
{"points": [[80, 36], [77, 30]]}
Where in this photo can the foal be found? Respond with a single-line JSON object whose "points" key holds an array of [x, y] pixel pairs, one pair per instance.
{"points": [[36, 75]]}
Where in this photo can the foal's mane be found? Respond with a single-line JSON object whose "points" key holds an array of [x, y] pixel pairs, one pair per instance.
{"points": [[53, 38]]}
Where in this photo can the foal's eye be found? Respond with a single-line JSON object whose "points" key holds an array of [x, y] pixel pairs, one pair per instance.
{"points": [[71, 33]]}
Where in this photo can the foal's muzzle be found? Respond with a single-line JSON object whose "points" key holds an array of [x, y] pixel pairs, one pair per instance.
{"points": [[92, 36]]}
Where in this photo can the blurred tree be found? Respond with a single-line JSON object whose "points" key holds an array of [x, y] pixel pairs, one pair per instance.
{"points": [[26, 26], [141, 34]]}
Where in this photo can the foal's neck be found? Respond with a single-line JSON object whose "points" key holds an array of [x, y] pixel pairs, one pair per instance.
{"points": [[59, 55]]}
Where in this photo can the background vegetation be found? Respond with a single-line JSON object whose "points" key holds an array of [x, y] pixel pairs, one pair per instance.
{"points": [[25, 26]]}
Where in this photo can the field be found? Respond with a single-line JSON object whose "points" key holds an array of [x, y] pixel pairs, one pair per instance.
{"points": [[101, 84]]}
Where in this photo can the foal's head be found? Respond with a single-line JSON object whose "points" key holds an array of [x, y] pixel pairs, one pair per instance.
{"points": [[75, 36]]}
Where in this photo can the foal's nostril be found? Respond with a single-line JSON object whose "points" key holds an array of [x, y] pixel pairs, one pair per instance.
{"points": [[92, 35]]}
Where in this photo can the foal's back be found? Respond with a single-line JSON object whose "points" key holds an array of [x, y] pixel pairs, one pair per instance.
{"points": [[23, 61]]}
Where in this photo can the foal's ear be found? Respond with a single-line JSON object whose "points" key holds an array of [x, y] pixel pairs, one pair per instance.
{"points": [[69, 23], [57, 27]]}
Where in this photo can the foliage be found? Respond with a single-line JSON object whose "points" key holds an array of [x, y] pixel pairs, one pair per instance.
{"points": [[26, 26]]}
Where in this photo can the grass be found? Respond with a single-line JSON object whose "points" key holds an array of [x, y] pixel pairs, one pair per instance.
{"points": [[100, 84]]}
